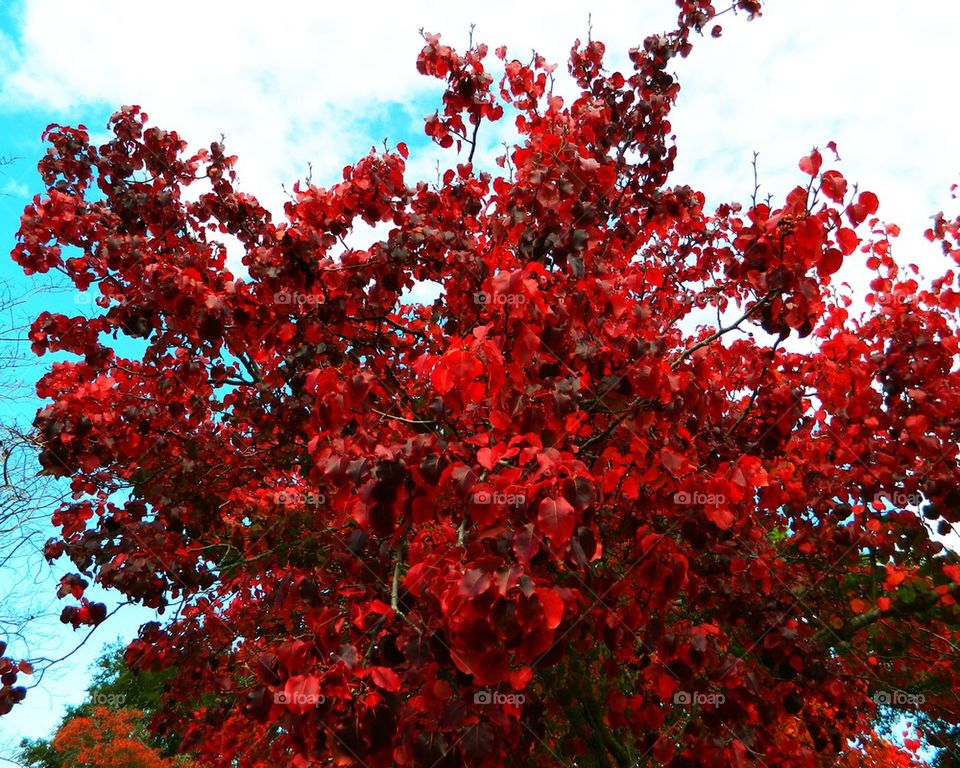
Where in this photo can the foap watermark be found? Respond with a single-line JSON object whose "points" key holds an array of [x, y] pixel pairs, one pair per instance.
{"points": [[299, 699], [497, 698], [113, 700], [694, 299], [701, 499], [299, 498], [503, 299], [697, 699], [898, 699], [496, 497], [892, 300], [85, 299], [899, 499], [296, 299]]}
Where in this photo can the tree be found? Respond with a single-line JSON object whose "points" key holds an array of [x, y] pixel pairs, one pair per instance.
{"points": [[117, 698], [555, 517], [106, 738]]}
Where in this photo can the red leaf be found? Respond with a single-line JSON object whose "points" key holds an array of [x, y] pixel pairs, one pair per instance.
{"points": [[870, 202], [485, 458], [286, 332], [552, 606], [653, 277], [830, 262], [385, 678], [811, 163], [665, 684], [294, 655], [526, 543], [457, 369], [474, 582], [579, 491], [301, 694], [463, 479], [673, 462], [720, 516], [834, 186], [557, 520], [848, 241]]}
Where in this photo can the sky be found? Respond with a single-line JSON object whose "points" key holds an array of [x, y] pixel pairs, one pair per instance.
{"points": [[315, 85]]}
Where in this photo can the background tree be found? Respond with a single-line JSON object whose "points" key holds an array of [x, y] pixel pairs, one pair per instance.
{"points": [[122, 700], [558, 516], [106, 738]]}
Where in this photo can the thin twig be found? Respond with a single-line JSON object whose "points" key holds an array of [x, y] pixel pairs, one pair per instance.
{"points": [[400, 418], [725, 329], [395, 586], [473, 140]]}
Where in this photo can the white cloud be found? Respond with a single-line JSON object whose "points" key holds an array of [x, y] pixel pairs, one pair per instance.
{"points": [[310, 83], [299, 84], [320, 83], [15, 188], [870, 78]]}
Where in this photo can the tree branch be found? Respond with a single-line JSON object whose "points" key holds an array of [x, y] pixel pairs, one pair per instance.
{"points": [[401, 418], [473, 140], [724, 329], [864, 620], [756, 391]]}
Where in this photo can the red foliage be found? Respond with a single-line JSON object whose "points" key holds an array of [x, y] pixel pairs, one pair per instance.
{"points": [[540, 520], [10, 670], [107, 739]]}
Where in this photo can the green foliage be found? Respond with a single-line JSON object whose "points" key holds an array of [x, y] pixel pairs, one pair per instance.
{"points": [[113, 684]]}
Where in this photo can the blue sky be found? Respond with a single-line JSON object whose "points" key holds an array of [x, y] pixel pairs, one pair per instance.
{"points": [[20, 138], [318, 84]]}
